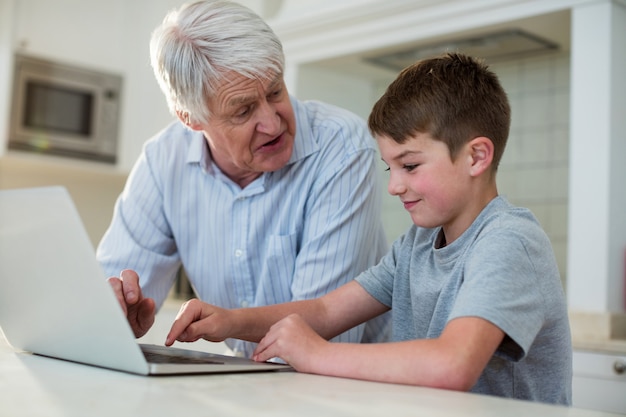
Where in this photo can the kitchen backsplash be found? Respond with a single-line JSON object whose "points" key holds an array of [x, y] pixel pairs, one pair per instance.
{"points": [[534, 169]]}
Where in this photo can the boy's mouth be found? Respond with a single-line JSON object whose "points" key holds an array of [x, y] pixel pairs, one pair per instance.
{"points": [[408, 205]]}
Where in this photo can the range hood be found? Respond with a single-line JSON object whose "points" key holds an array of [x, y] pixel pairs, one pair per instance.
{"points": [[501, 45]]}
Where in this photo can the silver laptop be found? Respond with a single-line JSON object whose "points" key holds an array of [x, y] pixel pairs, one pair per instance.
{"points": [[55, 300]]}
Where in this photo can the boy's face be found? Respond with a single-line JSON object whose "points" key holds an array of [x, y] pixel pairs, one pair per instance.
{"points": [[432, 188]]}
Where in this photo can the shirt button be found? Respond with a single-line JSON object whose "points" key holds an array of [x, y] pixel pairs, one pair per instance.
{"points": [[238, 253], [244, 304]]}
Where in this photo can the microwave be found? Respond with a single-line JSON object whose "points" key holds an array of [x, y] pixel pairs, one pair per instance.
{"points": [[64, 109]]}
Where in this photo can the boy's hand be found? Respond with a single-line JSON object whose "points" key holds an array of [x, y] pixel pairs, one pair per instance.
{"points": [[198, 320], [292, 340]]}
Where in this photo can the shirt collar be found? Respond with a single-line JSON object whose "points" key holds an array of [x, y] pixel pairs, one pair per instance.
{"points": [[305, 142], [198, 152]]}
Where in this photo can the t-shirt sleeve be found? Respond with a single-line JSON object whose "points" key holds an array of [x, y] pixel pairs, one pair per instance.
{"points": [[500, 285], [378, 280]]}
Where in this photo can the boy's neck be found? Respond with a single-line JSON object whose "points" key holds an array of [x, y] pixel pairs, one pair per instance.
{"points": [[449, 233]]}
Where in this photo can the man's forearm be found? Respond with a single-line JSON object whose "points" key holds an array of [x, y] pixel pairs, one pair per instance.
{"points": [[252, 324]]}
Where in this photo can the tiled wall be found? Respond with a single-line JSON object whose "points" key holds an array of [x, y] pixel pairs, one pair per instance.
{"points": [[534, 169]]}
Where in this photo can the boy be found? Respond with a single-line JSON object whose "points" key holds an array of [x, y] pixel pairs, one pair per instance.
{"points": [[474, 287]]}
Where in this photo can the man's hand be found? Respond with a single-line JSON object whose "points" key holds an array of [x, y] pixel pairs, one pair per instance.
{"points": [[139, 311], [198, 320]]}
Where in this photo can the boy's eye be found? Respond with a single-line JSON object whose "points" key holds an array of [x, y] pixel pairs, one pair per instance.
{"points": [[406, 167]]}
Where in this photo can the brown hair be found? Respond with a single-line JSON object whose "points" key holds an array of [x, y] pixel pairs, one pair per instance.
{"points": [[453, 98]]}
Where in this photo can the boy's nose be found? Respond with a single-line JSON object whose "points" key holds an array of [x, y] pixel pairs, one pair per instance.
{"points": [[395, 187]]}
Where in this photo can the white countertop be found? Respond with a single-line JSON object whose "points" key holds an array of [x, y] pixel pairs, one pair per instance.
{"points": [[31, 385]]}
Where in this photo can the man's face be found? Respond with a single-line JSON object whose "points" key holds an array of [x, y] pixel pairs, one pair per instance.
{"points": [[252, 127]]}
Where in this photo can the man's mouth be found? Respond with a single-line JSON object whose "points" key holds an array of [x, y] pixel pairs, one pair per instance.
{"points": [[272, 142]]}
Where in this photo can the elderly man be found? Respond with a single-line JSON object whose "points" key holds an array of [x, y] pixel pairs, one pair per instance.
{"points": [[261, 198]]}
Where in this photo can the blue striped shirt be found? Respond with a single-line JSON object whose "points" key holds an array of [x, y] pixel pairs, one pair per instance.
{"points": [[292, 234]]}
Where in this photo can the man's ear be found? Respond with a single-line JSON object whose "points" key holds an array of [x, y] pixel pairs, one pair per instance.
{"points": [[183, 116], [481, 153]]}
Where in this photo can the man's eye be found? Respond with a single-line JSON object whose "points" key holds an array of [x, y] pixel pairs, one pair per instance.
{"points": [[243, 112], [387, 169], [410, 167]]}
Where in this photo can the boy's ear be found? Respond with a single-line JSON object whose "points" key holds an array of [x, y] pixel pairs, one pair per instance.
{"points": [[481, 153]]}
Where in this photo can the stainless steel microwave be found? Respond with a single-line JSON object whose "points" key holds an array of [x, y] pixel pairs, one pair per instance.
{"points": [[64, 110]]}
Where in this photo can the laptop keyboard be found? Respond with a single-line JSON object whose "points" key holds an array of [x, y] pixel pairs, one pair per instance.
{"points": [[154, 357]]}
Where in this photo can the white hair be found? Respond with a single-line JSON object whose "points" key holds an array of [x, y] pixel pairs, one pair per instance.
{"points": [[197, 45]]}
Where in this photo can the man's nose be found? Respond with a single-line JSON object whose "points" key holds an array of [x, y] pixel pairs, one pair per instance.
{"points": [[268, 119]]}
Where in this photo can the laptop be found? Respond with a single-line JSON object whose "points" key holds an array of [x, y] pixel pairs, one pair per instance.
{"points": [[55, 300]]}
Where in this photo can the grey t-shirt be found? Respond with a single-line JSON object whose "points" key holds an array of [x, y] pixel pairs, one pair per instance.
{"points": [[501, 269]]}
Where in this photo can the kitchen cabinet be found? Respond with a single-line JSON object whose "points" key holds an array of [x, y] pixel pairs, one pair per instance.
{"points": [[600, 381]]}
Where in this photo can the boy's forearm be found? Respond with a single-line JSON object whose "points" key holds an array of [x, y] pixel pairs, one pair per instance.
{"points": [[454, 360], [408, 362]]}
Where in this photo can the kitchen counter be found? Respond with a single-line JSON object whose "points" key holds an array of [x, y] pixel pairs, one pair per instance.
{"points": [[34, 385], [94, 186], [600, 332], [614, 346]]}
